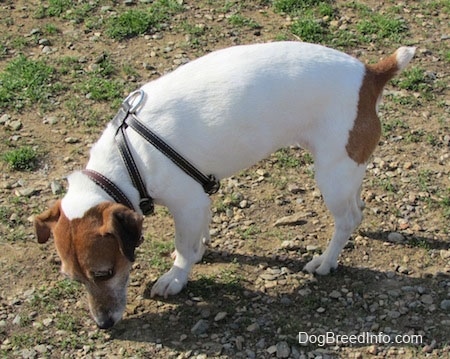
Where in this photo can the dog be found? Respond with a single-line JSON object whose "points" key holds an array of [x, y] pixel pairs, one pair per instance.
{"points": [[223, 112]]}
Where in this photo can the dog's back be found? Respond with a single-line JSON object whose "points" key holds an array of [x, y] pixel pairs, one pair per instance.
{"points": [[248, 101]]}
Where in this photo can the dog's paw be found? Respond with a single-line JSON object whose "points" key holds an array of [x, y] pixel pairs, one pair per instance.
{"points": [[170, 283], [320, 266]]}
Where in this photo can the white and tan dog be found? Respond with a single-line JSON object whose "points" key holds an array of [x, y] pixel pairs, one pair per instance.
{"points": [[223, 112]]}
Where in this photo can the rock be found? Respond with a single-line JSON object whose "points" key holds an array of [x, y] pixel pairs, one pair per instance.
{"points": [[47, 321], [426, 299], [28, 353], [44, 42], [283, 350], [445, 305], [71, 140], [289, 245], [220, 316], [272, 349], [293, 220], [243, 204], [396, 237], [285, 301], [200, 327], [294, 188], [335, 294], [35, 31], [17, 320], [312, 248], [444, 253], [429, 347], [51, 120], [25, 192], [372, 349], [4, 119], [47, 50], [14, 125], [56, 187], [252, 328], [41, 348]]}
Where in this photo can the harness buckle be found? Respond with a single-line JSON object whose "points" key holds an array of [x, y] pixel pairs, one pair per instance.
{"points": [[146, 206], [212, 186]]}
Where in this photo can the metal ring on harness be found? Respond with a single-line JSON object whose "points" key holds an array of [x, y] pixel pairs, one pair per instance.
{"points": [[131, 96]]}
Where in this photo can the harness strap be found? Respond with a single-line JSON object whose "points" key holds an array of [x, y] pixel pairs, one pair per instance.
{"points": [[146, 202], [126, 117], [109, 187], [209, 183]]}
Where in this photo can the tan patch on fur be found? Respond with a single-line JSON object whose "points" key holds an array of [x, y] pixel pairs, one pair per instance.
{"points": [[366, 131]]}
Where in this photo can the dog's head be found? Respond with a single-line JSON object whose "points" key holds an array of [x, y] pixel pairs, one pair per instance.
{"points": [[96, 250]]}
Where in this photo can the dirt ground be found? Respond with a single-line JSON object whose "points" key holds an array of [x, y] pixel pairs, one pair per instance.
{"points": [[248, 298]]}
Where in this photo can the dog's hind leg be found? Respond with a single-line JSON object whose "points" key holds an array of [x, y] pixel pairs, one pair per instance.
{"points": [[191, 233], [340, 184]]}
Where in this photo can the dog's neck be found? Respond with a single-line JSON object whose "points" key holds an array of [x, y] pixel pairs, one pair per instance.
{"points": [[83, 193]]}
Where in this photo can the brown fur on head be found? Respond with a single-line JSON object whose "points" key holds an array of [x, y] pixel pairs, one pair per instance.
{"points": [[96, 250]]}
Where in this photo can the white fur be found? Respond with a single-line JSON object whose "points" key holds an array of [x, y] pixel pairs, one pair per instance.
{"points": [[403, 56], [225, 112]]}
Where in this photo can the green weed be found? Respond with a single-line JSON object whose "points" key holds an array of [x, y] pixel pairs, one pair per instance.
{"points": [[159, 254], [249, 233], [75, 11], [50, 29], [413, 79], [309, 29], [137, 22], [286, 159], [101, 89], [419, 243], [382, 27], [128, 24], [26, 82], [293, 7], [21, 159], [239, 20], [5, 214], [55, 8], [445, 204]]}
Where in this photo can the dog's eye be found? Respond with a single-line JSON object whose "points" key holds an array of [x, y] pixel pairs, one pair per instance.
{"points": [[103, 274]]}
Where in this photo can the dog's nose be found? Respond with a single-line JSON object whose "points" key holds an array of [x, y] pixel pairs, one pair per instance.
{"points": [[106, 324]]}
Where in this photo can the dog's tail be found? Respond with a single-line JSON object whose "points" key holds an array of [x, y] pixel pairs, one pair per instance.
{"points": [[403, 55], [387, 68]]}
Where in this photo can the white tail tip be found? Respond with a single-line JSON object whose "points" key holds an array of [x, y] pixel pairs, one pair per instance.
{"points": [[404, 55]]}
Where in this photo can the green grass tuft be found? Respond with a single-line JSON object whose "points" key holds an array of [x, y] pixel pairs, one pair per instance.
{"points": [[137, 22], [26, 82], [21, 159]]}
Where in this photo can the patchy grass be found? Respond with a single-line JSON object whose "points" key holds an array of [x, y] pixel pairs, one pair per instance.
{"points": [[25, 82], [158, 254], [382, 26], [413, 79], [137, 22], [21, 159], [239, 20]]}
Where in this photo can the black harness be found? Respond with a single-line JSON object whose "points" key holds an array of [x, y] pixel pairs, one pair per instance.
{"points": [[126, 117]]}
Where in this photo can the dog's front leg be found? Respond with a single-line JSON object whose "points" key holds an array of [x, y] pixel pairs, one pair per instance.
{"points": [[191, 234]]}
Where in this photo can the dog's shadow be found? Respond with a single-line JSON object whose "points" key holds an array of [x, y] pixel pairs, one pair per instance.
{"points": [[172, 322], [411, 240]]}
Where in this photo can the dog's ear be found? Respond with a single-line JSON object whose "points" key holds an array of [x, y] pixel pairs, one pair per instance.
{"points": [[45, 222], [126, 226]]}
